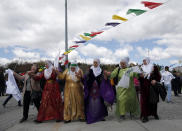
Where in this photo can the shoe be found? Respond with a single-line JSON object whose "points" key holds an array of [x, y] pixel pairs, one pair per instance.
{"points": [[67, 121], [23, 119], [144, 120], [156, 117], [3, 105], [104, 120], [36, 121]]}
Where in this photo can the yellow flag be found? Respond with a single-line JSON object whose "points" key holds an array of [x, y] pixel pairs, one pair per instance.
{"points": [[85, 37], [116, 17], [67, 52]]}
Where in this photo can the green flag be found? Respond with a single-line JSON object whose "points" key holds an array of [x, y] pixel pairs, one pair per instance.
{"points": [[86, 34], [136, 11]]}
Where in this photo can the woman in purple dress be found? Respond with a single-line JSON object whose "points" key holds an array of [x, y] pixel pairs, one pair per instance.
{"points": [[98, 92]]}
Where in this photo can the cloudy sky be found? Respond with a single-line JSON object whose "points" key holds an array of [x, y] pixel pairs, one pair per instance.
{"points": [[33, 30]]}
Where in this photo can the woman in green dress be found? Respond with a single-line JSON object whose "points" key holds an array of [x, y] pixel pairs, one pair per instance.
{"points": [[126, 97]]}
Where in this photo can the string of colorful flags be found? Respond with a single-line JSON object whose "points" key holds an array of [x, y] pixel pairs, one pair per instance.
{"points": [[88, 36]]}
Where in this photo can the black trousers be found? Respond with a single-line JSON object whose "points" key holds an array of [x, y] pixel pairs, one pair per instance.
{"points": [[2, 91], [175, 89], [8, 98], [26, 101], [179, 89]]}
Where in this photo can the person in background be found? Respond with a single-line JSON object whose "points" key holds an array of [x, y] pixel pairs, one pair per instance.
{"points": [[12, 88], [2, 83], [179, 83], [176, 83], [166, 80]]}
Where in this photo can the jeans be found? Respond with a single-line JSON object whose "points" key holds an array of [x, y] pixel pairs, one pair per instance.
{"points": [[168, 88]]}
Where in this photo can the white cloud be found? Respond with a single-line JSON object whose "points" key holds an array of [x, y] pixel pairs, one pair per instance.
{"points": [[23, 53], [4, 61]]}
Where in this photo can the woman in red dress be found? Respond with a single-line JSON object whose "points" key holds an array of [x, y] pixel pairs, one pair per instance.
{"points": [[51, 107]]}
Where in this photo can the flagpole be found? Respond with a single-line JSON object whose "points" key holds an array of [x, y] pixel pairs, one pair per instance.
{"points": [[66, 31]]}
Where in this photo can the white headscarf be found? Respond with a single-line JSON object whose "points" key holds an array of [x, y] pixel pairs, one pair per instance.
{"points": [[71, 73], [125, 60], [149, 67], [48, 71], [96, 70]]}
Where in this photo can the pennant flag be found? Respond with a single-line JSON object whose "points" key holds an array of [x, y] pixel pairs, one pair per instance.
{"points": [[85, 37], [116, 17], [96, 33], [86, 34], [71, 49], [112, 24], [151, 5], [136, 11], [82, 41], [74, 46], [67, 52]]}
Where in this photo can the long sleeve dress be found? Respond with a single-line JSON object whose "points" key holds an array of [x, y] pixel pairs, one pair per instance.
{"points": [[51, 107], [149, 95], [127, 101], [73, 98], [97, 91]]}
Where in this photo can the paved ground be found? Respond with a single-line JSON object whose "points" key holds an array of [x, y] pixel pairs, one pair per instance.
{"points": [[170, 120]]}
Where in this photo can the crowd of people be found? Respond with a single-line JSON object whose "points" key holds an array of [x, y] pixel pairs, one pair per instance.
{"points": [[134, 89]]}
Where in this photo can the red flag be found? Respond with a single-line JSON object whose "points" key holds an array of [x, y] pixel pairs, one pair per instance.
{"points": [[96, 33], [66, 62], [151, 5], [74, 46]]}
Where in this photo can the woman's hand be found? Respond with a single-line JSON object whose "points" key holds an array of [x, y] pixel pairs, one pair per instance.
{"points": [[78, 74], [153, 82], [142, 75], [106, 74]]}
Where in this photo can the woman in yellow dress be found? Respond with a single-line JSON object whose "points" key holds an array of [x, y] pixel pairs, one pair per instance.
{"points": [[73, 93]]}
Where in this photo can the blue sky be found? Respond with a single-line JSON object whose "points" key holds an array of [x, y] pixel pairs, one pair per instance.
{"points": [[34, 30]]}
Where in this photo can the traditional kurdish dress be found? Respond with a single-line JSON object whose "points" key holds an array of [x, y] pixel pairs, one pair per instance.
{"points": [[73, 96], [127, 101], [97, 92], [51, 104], [145, 90]]}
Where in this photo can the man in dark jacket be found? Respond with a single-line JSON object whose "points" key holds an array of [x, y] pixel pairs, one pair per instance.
{"points": [[176, 83]]}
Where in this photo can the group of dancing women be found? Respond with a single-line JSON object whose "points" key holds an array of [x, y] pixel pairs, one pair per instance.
{"points": [[87, 97]]}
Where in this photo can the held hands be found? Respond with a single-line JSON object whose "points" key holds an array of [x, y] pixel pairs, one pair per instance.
{"points": [[30, 73], [106, 74], [153, 82], [78, 74]]}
